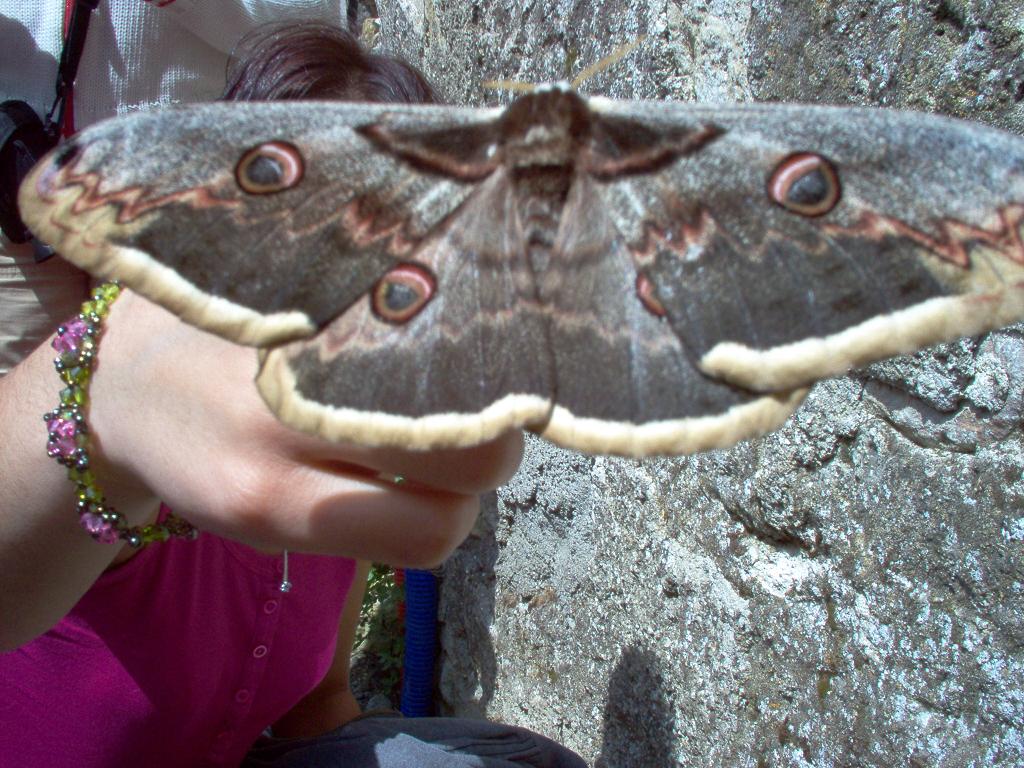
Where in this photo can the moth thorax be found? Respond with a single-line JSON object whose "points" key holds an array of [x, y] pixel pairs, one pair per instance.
{"points": [[539, 148], [541, 194], [546, 128]]}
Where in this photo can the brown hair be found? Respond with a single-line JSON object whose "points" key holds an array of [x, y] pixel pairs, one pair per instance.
{"points": [[317, 61]]}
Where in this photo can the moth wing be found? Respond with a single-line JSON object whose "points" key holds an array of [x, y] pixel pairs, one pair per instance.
{"points": [[172, 204], [923, 244], [625, 383], [473, 363]]}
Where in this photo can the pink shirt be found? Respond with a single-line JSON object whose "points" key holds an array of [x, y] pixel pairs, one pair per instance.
{"points": [[179, 657]]}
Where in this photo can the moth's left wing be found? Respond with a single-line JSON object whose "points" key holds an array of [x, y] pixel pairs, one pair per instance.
{"points": [[283, 226], [803, 241]]}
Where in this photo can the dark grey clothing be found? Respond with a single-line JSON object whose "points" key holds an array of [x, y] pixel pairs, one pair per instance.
{"points": [[388, 740]]}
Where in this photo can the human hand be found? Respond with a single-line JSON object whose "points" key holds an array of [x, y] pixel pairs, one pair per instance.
{"points": [[175, 417]]}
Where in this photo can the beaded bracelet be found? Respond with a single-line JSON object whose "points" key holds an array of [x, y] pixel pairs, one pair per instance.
{"points": [[69, 433]]}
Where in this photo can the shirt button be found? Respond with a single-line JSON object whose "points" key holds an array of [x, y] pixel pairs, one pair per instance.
{"points": [[259, 651], [270, 606], [242, 696]]}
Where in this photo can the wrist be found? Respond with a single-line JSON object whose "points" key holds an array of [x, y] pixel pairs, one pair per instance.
{"points": [[49, 561], [70, 440]]}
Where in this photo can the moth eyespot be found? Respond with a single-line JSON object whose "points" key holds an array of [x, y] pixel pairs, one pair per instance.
{"points": [[806, 184], [648, 296], [269, 168], [402, 293]]}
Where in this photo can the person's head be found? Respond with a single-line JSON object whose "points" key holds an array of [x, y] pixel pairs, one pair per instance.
{"points": [[317, 61]]}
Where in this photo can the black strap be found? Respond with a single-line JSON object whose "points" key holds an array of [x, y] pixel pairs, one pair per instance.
{"points": [[70, 56], [23, 148], [15, 115]]}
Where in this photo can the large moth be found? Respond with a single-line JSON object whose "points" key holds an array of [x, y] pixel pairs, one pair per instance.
{"points": [[621, 277]]}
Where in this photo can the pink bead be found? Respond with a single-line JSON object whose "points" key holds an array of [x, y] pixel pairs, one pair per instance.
{"points": [[64, 437], [65, 344], [92, 523], [98, 527], [63, 442], [68, 341], [61, 426], [109, 534]]}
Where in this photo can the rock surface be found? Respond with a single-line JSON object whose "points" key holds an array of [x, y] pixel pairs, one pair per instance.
{"points": [[847, 591]]}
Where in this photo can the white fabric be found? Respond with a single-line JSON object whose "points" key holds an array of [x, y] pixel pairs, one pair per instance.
{"points": [[137, 55]]}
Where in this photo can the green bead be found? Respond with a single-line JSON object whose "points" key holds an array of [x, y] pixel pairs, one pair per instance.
{"points": [[89, 308], [73, 395], [78, 375], [107, 291], [82, 476], [155, 533]]}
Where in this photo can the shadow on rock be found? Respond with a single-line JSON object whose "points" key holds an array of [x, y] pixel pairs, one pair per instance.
{"points": [[639, 721], [468, 663]]}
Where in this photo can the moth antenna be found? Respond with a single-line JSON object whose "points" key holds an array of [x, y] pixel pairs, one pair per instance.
{"points": [[619, 53], [509, 85]]}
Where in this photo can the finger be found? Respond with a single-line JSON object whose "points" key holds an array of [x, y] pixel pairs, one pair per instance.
{"points": [[473, 470], [360, 517]]}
